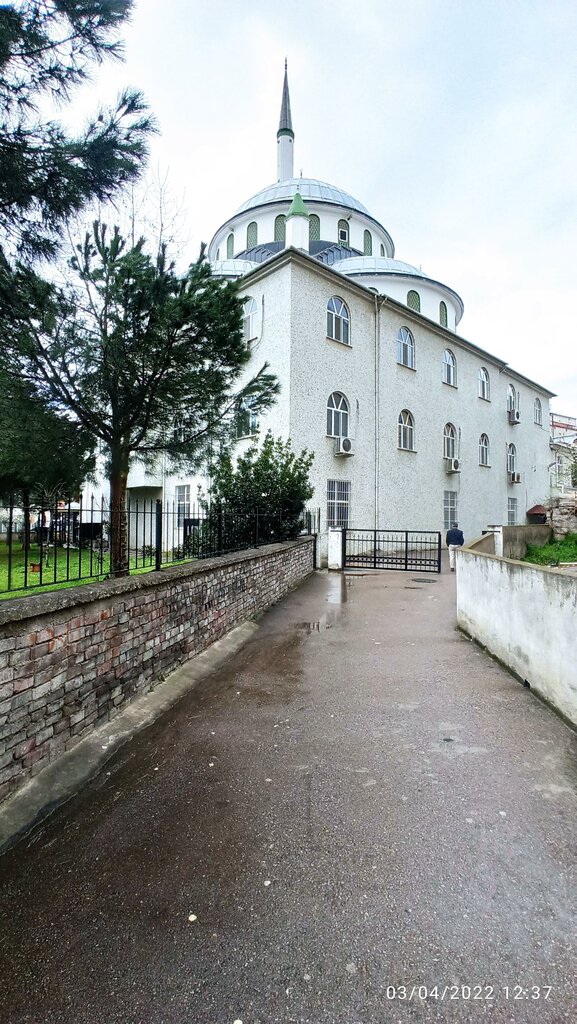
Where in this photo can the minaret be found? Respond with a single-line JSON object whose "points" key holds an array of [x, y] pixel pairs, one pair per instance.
{"points": [[285, 135]]}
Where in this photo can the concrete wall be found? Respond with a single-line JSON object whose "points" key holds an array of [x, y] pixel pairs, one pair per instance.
{"points": [[525, 615], [516, 539], [71, 659]]}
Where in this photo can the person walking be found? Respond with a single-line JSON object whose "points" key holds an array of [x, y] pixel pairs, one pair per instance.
{"points": [[454, 540]]}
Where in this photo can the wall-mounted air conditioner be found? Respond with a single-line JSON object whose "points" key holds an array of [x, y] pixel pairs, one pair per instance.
{"points": [[514, 416], [453, 465], [344, 446], [514, 478]]}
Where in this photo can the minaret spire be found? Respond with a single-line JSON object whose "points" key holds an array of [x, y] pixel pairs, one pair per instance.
{"points": [[285, 135]]}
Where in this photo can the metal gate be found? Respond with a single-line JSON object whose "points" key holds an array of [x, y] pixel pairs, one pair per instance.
{"points": [[409, 550]]}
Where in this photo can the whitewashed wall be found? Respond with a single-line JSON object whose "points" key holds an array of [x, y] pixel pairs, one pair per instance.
{"points": [[525, 615]]}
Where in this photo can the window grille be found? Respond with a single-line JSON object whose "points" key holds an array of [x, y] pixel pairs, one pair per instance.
{"points": [[338, 503], [450, 515]]}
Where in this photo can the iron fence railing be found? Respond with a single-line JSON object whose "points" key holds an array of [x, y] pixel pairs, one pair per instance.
{"points": [[47, 545]]}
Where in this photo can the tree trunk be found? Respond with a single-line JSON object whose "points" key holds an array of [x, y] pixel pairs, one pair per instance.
{"points": [[118, 534]]}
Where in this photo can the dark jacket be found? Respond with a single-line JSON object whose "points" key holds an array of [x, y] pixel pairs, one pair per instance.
{"points": [[454, 536]]}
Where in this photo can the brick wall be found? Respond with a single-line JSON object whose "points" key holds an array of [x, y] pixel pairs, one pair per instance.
{"points": [[71, 659]]}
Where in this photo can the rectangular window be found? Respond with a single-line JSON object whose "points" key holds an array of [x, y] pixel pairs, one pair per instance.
{"points": [[511, 511], [450, 509], [246, 419], [182, 502], [338, 502]]}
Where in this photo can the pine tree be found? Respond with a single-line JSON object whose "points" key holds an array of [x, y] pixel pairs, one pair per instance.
{"points": [[145, 360], [47, 49]]}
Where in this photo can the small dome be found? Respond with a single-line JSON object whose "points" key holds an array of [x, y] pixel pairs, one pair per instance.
{"points": [[232, 268], [310, 189], [376, 265]]}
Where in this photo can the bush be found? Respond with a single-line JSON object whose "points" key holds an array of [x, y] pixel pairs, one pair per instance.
{"points": [[262, 499], [557, 551]]}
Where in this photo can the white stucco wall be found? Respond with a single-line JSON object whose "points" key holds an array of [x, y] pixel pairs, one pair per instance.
{"points": [[525, 615]]}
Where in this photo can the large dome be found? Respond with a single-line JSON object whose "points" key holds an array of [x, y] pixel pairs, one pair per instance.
{"points": [[310, 189]]}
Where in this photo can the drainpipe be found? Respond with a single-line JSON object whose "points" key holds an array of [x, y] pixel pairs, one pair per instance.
{"points": [[379, 299]]}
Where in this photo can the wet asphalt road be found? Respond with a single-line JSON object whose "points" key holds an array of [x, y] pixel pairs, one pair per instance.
{"points": [[360, 801]]}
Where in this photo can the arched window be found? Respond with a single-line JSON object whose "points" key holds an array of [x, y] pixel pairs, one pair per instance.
{"points": [[484, 450], [368, 243], [230, 246], [343, 232], [484, 384], [382, 249], [449, 441], [414, 300], [251, 235], [511, 458], [280, 228], [538, 412], [405, 348], [249, 317], [337, 415], [511, 398], [449, 368], [443, 319], [314, 228], [338, 320], [406, 431]]}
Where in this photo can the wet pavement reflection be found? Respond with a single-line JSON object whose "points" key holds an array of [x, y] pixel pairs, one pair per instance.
{"points": [[359, 807]]}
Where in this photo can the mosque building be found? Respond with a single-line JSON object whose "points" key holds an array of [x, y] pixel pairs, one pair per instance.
{"points": [[412, 426]]}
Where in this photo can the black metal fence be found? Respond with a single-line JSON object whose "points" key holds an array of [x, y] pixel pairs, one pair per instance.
{"points": [[67, 542], [413, 550]]}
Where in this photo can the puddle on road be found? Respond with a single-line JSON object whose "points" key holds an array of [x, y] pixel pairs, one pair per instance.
{"points": [[338, 586], [318, 626]]}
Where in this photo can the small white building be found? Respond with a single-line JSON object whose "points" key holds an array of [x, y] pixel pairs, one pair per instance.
{"points": [[412, 425]]}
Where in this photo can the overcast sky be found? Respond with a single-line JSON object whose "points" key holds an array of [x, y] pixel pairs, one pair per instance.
{"points": [[453, 121]]}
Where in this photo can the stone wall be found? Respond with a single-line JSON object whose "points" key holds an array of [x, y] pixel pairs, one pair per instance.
{"points": [[563, 516], [71, 659], [525, 615]]}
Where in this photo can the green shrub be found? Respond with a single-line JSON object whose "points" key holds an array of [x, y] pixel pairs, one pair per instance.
{"points": [[557, 551]]}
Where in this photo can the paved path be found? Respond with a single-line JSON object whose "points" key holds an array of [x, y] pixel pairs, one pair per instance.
{"points": [[364, 813]]}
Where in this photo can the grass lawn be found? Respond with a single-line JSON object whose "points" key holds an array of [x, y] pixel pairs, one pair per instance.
{"points": [[557, 551], [73, 566], [70, 564]]}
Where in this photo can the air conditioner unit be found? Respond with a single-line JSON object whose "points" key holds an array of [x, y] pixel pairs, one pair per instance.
{"points": [[344, 446], [514, 478], [514, 416], [453, 465]]}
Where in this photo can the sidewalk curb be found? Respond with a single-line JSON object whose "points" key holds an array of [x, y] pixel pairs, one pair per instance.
{"points": [[65, 777]]}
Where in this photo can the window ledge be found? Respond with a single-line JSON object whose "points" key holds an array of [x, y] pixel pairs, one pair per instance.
{"points": [[484, 465], [483, 399], [345, 344], [449, 385], [406, 366], [412, 450]]}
